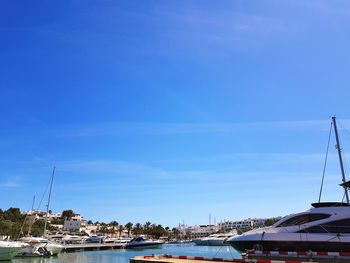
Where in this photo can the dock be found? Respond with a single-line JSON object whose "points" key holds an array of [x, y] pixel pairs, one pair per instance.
{"points": [[191, 259], [280, 257], [293, 256], [92, 247], [179, 259]]}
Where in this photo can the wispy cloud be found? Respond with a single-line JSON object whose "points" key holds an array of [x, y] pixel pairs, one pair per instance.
{"points": [[273, 164], [12, 182], [332, 8], [105, 129]]}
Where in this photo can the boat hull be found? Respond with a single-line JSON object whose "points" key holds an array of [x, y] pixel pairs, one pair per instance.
{"points": [[54, 249], [210, 242], [298, 246], [140, 245], [8, 253], [218, 242]]}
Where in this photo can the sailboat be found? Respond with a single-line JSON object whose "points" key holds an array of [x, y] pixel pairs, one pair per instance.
{"points": [[41, 246], [323, 228]]}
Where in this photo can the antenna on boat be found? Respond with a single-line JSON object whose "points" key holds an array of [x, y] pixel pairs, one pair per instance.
{"points": [[345, 184], [48, 201]]}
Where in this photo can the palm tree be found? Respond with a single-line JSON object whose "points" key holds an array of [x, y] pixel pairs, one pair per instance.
{"points": [[146, 227], [114, 224], [128, 226], [138, 229], [67, 214], [120, 230]]}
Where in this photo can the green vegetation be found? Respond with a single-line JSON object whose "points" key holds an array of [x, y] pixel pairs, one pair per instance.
{"points": [[271, 221], [12, 223], [15, 224], [68, 214]]}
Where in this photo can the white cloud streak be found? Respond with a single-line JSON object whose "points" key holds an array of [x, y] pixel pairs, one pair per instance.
{"points": [[104, 129], [12, 182]]}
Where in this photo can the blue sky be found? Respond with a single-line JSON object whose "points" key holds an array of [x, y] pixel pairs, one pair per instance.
{"points": [[166, 111]]}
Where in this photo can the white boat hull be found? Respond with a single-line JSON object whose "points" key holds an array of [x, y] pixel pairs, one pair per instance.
{"points": [[8, 253]]}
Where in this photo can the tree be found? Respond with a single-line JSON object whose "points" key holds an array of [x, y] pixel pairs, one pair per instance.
{"points": [[120, 230], [103, 229], [175, 233], [38, 228], [114, 224], [138, 229], [13, 215], [128, 226], [57, 221], [5, 228], [146, 227], [68, 214], [270, 221], [157, 231]]}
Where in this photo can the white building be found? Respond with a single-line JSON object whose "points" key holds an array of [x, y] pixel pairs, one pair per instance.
{"points": [[197, 231], [245, 224], [76, 223], [39, 214]]}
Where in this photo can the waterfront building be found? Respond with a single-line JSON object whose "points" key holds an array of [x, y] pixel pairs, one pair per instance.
{"points": [[245, 224], [196, 231], [34, 215], [75, 223]]}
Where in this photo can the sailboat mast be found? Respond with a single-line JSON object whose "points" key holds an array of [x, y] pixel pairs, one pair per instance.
{"points": [[340, 158], [48, 201]]}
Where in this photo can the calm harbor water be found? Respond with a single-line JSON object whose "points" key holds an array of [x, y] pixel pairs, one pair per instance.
{"points": [[123, 255]]}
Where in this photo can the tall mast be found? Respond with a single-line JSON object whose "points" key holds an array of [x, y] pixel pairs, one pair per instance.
{"points": [[33, 203], [48, 201], [340, 158], [31, 218]]}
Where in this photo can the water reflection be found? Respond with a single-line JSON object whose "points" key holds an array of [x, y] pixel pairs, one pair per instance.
{"points": [[123, 255]]}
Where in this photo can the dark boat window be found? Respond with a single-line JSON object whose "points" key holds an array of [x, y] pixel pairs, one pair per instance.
{"points": [[302, 219], [339, 226]]}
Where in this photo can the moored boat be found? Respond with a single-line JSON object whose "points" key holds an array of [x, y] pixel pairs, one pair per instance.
{"points": [[69, 239], [323, 228], [215, 239], [94, 239], [9, 249], [142, 242], [37, 242]]}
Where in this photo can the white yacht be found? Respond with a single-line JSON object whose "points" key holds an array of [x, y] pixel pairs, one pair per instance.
{"points": [[115, 240], [37, 242], [221, 239], [69, 239], [142, 242], [9, 249], [215, 239], [323, 228], [94, 239]]}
